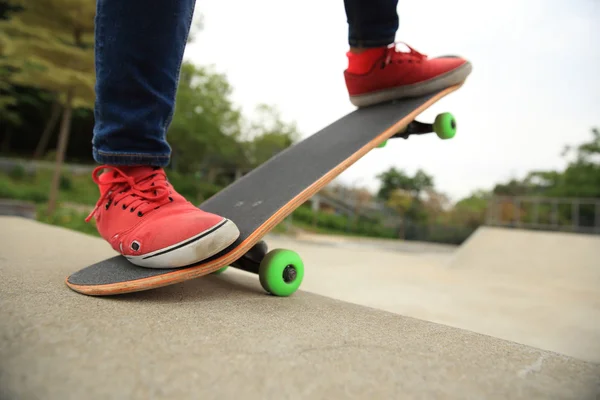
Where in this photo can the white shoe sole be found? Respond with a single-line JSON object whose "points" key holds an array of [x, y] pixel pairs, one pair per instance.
{"points": [[192, 250]]}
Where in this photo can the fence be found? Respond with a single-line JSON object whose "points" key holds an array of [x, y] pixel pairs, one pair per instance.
{"points": [[580, 215]]}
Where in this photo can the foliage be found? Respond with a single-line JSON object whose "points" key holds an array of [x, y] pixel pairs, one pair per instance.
{"points": [[580, 180], [48, 44], [428, 215], [9, 189], [69, 218], [209, 135], [206, 126], [471, 210], [394, 179], [342, 224], [402, 192], [268, 135], [34, 185]]}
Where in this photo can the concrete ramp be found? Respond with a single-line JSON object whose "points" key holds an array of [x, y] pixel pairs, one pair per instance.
{"points": [[220, 337], [553, 261], [562, 260], [539, 288]]}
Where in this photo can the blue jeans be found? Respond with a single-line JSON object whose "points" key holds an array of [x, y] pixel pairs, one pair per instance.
{"points": [[139, 50]]}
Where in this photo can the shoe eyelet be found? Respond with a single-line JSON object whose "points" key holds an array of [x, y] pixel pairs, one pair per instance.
{"points": [[124, 207], [139, 214], [171, 199], [131, 209]]}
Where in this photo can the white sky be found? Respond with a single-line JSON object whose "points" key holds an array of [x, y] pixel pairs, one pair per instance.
{"points": [[535, 84]]}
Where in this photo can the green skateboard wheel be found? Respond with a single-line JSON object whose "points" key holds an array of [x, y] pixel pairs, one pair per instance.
{"points": [[220, 270], [445, 126], [281, 272], [382, 144]]}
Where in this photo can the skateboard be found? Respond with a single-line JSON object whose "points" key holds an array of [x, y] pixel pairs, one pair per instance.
{"points": [[264, 197]]}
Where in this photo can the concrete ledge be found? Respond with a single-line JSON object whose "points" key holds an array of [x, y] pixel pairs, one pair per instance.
{"points": [[17, 208], [219, 337]]}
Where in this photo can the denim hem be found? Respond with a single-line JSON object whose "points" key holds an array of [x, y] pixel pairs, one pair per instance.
{"points": [[371, 42], [110, 158]]}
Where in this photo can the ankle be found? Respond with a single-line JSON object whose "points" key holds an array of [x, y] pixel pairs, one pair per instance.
{"points": [[361, 59], [357, 50]]}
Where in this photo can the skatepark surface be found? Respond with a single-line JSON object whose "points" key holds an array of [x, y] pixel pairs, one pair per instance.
{"points": [[508, 315]]}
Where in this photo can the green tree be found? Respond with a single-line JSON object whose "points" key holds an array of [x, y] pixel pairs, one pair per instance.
{"points": [[268, 134], [209, 135], [206, 125], [393, 179], [471, 210], [581, 178], [49, 44], [402, 192], [9, 116]]}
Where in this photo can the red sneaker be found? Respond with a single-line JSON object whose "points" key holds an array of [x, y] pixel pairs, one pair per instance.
{"points": [[142, 217], [385, 73]]}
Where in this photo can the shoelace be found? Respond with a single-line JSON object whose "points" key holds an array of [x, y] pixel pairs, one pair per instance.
{"points": [[393, 51], [140, 194]]}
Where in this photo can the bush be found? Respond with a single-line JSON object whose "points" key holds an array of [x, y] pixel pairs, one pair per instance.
{"points": [[437, 233], [68, 218], [342, 224], [66, 183], [17, 173], [12, 190], [207, 190], [332, 221], [194, 189]]}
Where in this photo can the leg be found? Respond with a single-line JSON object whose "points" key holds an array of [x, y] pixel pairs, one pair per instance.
{"points": [[371, 23], [139, 50], [378, 71]]}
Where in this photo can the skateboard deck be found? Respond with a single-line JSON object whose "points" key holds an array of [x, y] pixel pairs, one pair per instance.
{"points": [[264, 197]]}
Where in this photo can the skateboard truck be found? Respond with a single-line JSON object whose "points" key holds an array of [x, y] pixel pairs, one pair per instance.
{"points": [[280, 271], [250, 262], [444, 126]]}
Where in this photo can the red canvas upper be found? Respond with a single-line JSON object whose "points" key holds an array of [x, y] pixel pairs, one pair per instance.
{"points": [[388, 67], [139, 204]]}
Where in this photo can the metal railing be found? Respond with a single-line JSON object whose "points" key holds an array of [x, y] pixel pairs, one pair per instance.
{"points": [[580, 215]]}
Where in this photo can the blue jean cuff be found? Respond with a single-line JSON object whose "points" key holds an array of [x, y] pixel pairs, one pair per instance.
{"points": [[110, 158], [369, 43]]}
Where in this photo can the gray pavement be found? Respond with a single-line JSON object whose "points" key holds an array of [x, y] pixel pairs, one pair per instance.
{"points": [[222, 336], [533, 288]]}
